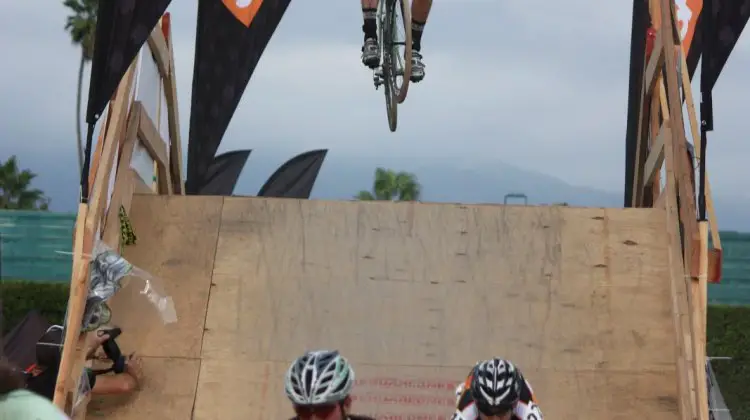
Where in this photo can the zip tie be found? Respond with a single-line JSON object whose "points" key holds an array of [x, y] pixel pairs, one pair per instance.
{"points": [[84, 255]]}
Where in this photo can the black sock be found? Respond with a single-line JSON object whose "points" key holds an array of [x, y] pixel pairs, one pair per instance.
{"points": [[416, 34], [370, 27]]}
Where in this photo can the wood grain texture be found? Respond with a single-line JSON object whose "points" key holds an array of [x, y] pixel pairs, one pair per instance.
{"points": [[413, 295]]}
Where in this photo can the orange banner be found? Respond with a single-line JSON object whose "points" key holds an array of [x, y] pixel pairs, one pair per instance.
{"points": [[243, 10], [687, 12], [687, 17]]}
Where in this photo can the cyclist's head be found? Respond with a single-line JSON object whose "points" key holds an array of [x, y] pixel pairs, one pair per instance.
{"points": [[495, 388], [318, 384]]}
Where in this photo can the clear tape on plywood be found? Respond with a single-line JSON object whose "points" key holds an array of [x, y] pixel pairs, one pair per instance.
{"points": [[109, 272]]}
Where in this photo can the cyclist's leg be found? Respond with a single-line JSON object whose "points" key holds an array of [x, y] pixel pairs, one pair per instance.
{"points": [[370, 56], [420, 10]]}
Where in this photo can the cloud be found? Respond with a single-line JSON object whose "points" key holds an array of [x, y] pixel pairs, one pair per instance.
{"points": [[539, 84], [37, 93], [491, 96]]}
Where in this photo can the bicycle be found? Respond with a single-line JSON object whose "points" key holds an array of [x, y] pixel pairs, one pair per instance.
{"points": [[394, 65]]}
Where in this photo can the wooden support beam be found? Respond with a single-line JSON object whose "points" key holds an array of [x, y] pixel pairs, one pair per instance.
{"points": [[695, 134], [679, 170], [662, 131], [149, 135], [661, 128], [173, 118], [661, 200], [123, 189], [652, 191], [656, 156], [648, 117], [655, 65], [159, 50], [77, 294], [150, 138], [85, 241], [641, 150], [124, 126]]}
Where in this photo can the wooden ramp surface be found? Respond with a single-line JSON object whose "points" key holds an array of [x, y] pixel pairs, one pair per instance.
{"points": [[412, 294]]}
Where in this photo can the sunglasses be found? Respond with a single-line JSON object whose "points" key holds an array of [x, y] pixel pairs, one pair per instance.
{"points": [[490, 411], [308, 411]]}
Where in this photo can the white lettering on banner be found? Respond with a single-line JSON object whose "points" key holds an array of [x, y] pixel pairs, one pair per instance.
{"points": [[683, 17]]}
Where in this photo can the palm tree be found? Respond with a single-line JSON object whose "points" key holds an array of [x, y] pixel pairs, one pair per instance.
{"points": [[15, 188], [392, 185], [81, 25]]}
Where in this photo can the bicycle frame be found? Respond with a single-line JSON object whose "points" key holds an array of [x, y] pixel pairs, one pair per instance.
{"points": [[390, 16]]}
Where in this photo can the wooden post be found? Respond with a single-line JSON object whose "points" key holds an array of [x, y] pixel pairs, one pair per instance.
{"points": [[94, 216], [696, 135], [173, 116], [76, 304], [88, 222], [662, 144], [700, 288]]}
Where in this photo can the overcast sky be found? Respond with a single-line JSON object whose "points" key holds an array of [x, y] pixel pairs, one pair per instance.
{"points": [[536, 83]]}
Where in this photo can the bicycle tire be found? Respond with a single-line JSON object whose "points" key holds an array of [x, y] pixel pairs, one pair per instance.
{"points": [[386, 33], [394, 10], [391, 103], [391, 106]]}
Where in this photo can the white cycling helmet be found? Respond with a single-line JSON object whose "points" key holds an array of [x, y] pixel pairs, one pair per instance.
{"points": [[495, 386], [319, 377]]}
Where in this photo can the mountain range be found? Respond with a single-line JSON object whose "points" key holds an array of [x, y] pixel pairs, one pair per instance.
{"points": [[341, 177]]}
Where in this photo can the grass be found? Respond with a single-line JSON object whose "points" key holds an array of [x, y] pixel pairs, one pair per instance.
{"points": [[729, 336]]}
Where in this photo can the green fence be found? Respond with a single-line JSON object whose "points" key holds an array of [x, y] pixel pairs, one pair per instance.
{"points": [[30, 243], [734, 288]]}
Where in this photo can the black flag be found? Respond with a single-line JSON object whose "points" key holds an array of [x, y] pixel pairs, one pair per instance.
{"points": [[639, 27], [122, 27], [229, 43], [296, 177], [224, 172], [727, 20]]}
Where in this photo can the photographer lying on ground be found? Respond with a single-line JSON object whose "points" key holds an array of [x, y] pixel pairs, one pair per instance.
{"points": [[43, 375], [18, 403]]}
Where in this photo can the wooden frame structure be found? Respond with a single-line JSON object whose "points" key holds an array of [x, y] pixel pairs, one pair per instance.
{"points": [[128, 131], [662, 158]]}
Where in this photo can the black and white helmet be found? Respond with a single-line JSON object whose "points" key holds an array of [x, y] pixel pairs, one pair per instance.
{"points": [[319, 377], [495, 386]]}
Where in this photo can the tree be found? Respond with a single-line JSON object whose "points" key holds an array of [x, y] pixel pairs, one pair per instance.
{"points": [[15, 188], [81, 25], [392, 185]]}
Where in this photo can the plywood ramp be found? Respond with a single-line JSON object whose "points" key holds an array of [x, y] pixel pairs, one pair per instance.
{"points": [[412, 294]]}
